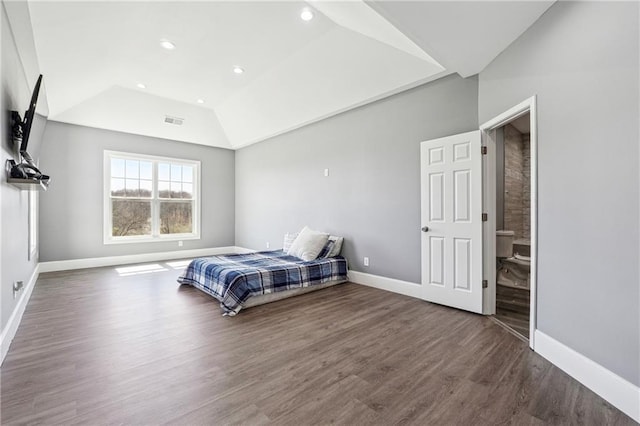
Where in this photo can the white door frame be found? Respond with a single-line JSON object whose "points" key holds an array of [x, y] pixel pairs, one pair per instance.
{"points": [[488, 131]]}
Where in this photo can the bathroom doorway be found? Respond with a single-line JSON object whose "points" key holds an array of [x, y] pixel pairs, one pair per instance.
{"points": [[509, 232], [513, 224]]}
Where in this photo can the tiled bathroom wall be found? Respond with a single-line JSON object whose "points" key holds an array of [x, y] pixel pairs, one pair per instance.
{"points": [[517, 201], [526, 187]]}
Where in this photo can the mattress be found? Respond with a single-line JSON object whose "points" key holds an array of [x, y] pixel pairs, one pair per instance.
{"points": [[234, 279]]}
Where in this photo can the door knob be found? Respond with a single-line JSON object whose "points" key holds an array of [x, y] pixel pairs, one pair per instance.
{"points": [[425, 229]]}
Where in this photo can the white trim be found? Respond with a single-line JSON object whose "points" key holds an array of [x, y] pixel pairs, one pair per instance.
{"points": [[533, 290], [95, 262], [489, 192], [511, 114], [528, 105], [243, 250], [614, 389], [389, 284], [9, 331]]}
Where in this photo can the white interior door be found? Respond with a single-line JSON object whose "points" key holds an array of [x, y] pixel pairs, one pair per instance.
{"points": [[451, 190]]}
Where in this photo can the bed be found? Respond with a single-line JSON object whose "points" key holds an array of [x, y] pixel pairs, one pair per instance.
{"points": [[239, 281]]}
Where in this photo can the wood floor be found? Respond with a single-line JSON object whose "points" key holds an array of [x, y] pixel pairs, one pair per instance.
{"points": [[102, 347], [512, 308]]}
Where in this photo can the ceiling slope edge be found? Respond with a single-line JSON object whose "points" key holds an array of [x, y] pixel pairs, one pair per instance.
{"points": [[362, 70], [464, 36], [130, 111], [362, 103], [358, 16]]}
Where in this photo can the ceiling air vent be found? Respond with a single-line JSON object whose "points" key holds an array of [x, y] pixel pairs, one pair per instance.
{"points": [[173, 120]]}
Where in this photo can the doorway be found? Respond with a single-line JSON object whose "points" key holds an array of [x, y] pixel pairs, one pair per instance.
{"points": [[513, 234], [510, 233]]}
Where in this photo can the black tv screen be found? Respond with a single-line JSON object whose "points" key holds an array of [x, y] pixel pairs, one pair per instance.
{"points": [[28, 116]]}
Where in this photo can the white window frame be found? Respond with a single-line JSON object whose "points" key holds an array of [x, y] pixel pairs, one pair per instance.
{"points": [[155, 200]]}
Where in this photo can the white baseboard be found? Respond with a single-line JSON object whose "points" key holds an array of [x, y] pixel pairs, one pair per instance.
{"points": [[9, 331], [617, 391], [243, 250], [389, 284], [95, 262]]}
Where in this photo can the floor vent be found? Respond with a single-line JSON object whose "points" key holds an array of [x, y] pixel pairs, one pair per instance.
{"points": [[173, 120]]}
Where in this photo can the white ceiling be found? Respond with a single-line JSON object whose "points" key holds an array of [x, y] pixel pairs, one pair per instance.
{"points": [[93, 54], [463, 36]]}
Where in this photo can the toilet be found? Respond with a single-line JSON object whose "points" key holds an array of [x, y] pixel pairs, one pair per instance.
{"points": [[513, 269], [504, 244]]}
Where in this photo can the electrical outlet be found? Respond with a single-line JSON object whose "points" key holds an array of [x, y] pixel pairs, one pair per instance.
{"points": [[268, 244], [326, 172], [366, 261], [180, 243]]}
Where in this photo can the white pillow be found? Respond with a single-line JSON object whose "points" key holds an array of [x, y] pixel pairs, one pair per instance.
{"points": [[308, 244], [288, 240]]}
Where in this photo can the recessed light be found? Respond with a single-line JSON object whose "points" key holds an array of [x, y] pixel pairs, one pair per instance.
{"points": [[306, 15], [141, 86], [200, 101], [167, 44], [238, 70]]}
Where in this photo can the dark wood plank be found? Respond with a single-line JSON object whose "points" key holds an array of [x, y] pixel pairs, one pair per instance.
{"points": [[101, 347], [512, 309]]}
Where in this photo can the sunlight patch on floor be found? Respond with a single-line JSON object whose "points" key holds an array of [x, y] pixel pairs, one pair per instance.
{"points": [[179, 264], [140, 269]]}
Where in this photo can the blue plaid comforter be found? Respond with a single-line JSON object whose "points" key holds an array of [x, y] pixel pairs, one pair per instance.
{"points": [[233, 278]]}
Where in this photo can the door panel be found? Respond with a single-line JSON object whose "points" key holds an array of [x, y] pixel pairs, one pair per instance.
{"points": [[451, 193], [436, 270], [436, 181]]}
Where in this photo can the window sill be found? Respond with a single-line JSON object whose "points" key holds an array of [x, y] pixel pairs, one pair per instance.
{"points": [[133, 240]]}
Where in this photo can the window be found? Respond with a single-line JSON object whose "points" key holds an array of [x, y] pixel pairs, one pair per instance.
{"points": [[150, 198]]}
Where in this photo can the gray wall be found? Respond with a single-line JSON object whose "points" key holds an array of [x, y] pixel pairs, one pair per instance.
{"points": [[372, 194], [14, 225], [581, 60], [71, 216]]}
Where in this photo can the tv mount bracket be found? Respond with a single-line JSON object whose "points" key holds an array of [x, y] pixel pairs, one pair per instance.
{"points": [[16, 127]]}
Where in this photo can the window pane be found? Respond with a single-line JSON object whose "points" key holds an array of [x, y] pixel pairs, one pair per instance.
{"points": [[187, 174], [163, 171], [146, 188], [146, 170], [132, 169], [176, 173], [187, 190], [176, 218], [117, 187], [163, 190], [117, 167], [130, 217], [176, 189], [132, 188]]}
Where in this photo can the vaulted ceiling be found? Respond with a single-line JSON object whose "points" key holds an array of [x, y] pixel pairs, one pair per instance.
{"points": [[97, 56]]}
